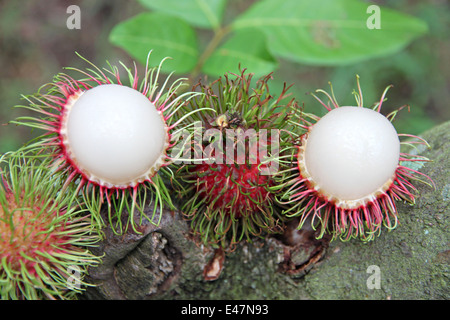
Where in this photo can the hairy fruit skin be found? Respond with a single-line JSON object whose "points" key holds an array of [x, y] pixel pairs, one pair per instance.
{"points": [[325, 185], [43, 236], [240, 197], [34, 238], [227, 192]]}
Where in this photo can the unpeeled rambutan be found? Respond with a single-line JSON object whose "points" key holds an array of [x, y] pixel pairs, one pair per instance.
{"points": [[111, 139], [227, 178], [44, 235], [348, 170]]}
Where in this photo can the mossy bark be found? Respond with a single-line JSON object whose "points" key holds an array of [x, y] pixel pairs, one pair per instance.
{"points": [[409, 262]]}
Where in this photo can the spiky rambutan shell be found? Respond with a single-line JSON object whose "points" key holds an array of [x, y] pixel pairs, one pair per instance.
{"points": [[240, 197], [112, 139], [44, 235], [227, 178], [348, 171]]}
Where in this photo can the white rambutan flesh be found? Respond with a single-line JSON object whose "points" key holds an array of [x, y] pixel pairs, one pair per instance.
{"points": [[114, 135], [350, 154]]}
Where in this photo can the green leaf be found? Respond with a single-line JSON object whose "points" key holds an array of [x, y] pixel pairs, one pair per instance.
{"points": [[247, 48], [329, 32], [166, 35], [200, 13]]}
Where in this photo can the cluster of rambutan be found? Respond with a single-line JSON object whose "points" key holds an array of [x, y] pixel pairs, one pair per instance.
{"points": [[240, 160], [342, 173]]}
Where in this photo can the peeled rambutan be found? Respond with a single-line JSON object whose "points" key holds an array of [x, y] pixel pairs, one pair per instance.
{"points": [[348, 170], [111, 139], [227, 178], [44, 235]]}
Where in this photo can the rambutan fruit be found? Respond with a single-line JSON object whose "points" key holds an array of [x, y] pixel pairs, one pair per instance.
{"points": [[111, 139], [227, 178], [348, 170], [44, 235]]}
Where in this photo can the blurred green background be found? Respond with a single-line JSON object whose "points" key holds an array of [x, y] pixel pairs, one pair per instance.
{"points": [[35, 44]]}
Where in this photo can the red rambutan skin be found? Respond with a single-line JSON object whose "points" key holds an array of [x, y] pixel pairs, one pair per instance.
{"points": [[238, 189], [29, 234]]}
